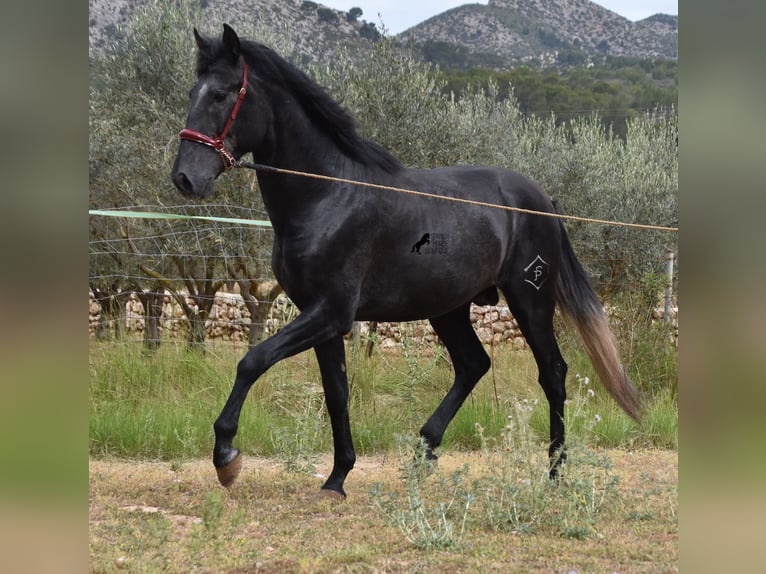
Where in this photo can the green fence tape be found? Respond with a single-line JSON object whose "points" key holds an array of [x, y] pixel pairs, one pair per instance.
{"points": [[151, 215]]}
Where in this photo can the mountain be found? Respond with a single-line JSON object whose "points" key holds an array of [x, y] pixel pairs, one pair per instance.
{"points": [[506, 33], [314, 30], [500, 35]]}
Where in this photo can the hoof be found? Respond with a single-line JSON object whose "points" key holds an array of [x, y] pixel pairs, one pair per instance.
{"points": [[426, 465], [329, 494], [228, 474]]}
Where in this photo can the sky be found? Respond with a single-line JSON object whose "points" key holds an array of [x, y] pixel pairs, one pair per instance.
{"points": [[398, 15]]}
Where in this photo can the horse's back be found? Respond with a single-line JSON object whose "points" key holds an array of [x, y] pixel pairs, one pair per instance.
{"points": [[469, 244], [494, 185]]}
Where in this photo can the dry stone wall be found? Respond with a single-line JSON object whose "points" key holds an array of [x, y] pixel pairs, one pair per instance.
{"points": [[229, 320]]}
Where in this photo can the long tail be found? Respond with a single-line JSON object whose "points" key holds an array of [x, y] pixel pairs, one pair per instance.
{"points": [[579, 301]]}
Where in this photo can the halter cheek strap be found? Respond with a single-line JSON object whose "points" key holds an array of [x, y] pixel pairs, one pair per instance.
{"points": [[218, 142]]}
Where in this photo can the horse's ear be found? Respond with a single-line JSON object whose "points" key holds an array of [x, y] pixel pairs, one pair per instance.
{"points": [[201, 42], [231, 40]]}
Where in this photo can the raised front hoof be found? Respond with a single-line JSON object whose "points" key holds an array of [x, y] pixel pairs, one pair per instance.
{"points": [[332, 495], [229, 472]]}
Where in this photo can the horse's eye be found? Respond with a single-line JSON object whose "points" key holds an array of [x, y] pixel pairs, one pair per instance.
{"points": [[219, 96]]}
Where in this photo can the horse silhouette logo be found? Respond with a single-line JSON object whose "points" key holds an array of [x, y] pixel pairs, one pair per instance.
{"points": [[425, 240]]}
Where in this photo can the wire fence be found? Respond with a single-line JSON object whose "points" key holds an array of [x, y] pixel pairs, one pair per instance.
{"points": [[202, 272]]}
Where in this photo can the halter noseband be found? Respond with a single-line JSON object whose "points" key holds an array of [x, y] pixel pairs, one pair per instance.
{"points": [[217, 142]]}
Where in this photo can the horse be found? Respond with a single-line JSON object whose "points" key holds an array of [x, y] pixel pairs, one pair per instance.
{"points": [[343, 253]]}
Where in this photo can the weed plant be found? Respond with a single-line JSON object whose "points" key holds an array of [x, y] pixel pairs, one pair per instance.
{"points": [[425, 521], [511, 492]]}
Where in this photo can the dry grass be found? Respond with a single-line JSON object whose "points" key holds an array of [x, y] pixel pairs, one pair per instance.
{"points": [[151, 517]]}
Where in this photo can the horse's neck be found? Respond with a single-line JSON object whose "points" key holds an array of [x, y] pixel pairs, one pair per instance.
{"points": [[301, 146], [290, 198], [296, 144], [292, 201]]}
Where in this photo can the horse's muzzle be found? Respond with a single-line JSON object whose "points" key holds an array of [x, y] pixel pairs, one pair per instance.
{"points": [[189, 188]]}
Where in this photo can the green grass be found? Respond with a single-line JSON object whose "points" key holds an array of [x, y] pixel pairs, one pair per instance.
{"points": [[161, 405], [487, 506]]}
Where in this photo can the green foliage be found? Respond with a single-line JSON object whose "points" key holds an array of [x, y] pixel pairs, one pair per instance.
{"points": [[137, 102], [353, 14], [454, 57], [161, 405], [138, 98], [617, 89], [593, 174], [213, 512], [298, 444], [592, 416], [518, 495], [589, 171], [427, 522], [327, 15], [512, 491], [393, 96], [369, 31]]}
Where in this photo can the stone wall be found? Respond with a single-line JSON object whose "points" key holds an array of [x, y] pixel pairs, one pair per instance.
{"points": [[493, 324], [229, 320]]}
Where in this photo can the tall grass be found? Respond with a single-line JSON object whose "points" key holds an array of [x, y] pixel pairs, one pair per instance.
{"points": [[161, 405]]}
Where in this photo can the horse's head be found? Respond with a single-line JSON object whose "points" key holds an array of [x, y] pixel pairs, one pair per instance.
{"points": [[220, 127]]}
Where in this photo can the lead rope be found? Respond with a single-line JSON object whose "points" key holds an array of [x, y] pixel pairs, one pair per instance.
{"points": [[271, 169]]}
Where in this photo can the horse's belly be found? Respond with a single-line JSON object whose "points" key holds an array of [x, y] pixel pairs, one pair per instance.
{"points": [[397, 298]]}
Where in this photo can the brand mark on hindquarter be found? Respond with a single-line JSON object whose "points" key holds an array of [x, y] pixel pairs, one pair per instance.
{"points": [[536, 272]]}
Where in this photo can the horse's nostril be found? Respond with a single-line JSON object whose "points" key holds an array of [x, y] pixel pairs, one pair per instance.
{"points": [[182, 182]]}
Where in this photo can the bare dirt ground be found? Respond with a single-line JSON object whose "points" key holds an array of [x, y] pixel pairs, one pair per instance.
{"points": [[174, 517]]}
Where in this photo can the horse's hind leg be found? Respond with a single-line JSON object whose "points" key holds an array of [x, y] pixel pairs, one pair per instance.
{"points": [[332, 364], [533, 310], [470, 362]]}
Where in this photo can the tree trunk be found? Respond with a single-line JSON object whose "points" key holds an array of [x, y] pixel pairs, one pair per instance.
{"points": [[258, 298], [197, 330], [152, 302], [258, 313], [371, 332]]}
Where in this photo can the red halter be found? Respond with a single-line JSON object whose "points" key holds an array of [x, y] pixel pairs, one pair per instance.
{"points": [[217, 142]]}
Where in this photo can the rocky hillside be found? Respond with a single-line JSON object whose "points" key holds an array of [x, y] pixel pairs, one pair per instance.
{"points": [[502, 34], [509, 32], [313, 29]]}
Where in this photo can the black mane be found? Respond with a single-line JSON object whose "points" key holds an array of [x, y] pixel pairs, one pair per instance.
{"points": [[323, 110]]}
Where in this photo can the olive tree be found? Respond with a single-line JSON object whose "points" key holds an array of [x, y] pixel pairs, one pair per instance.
{"points": [[399, 101], [138, 101]]}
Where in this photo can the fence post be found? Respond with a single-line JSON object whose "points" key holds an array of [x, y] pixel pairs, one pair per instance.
{"points": [[356, 334], [669, 286]]}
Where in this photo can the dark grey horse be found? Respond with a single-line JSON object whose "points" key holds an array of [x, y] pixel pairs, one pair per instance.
{"points": [[344, 253]]}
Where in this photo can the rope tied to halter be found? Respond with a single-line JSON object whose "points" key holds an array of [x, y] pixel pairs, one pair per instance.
{"points": [[217, 142], [271, 169]]}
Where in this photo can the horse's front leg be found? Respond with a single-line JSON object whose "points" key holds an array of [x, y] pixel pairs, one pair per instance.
{"points": [[312, 327], [332, 364]]}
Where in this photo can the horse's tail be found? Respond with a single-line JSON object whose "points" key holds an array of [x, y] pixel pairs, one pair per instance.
{"points": [[579, 301]]}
